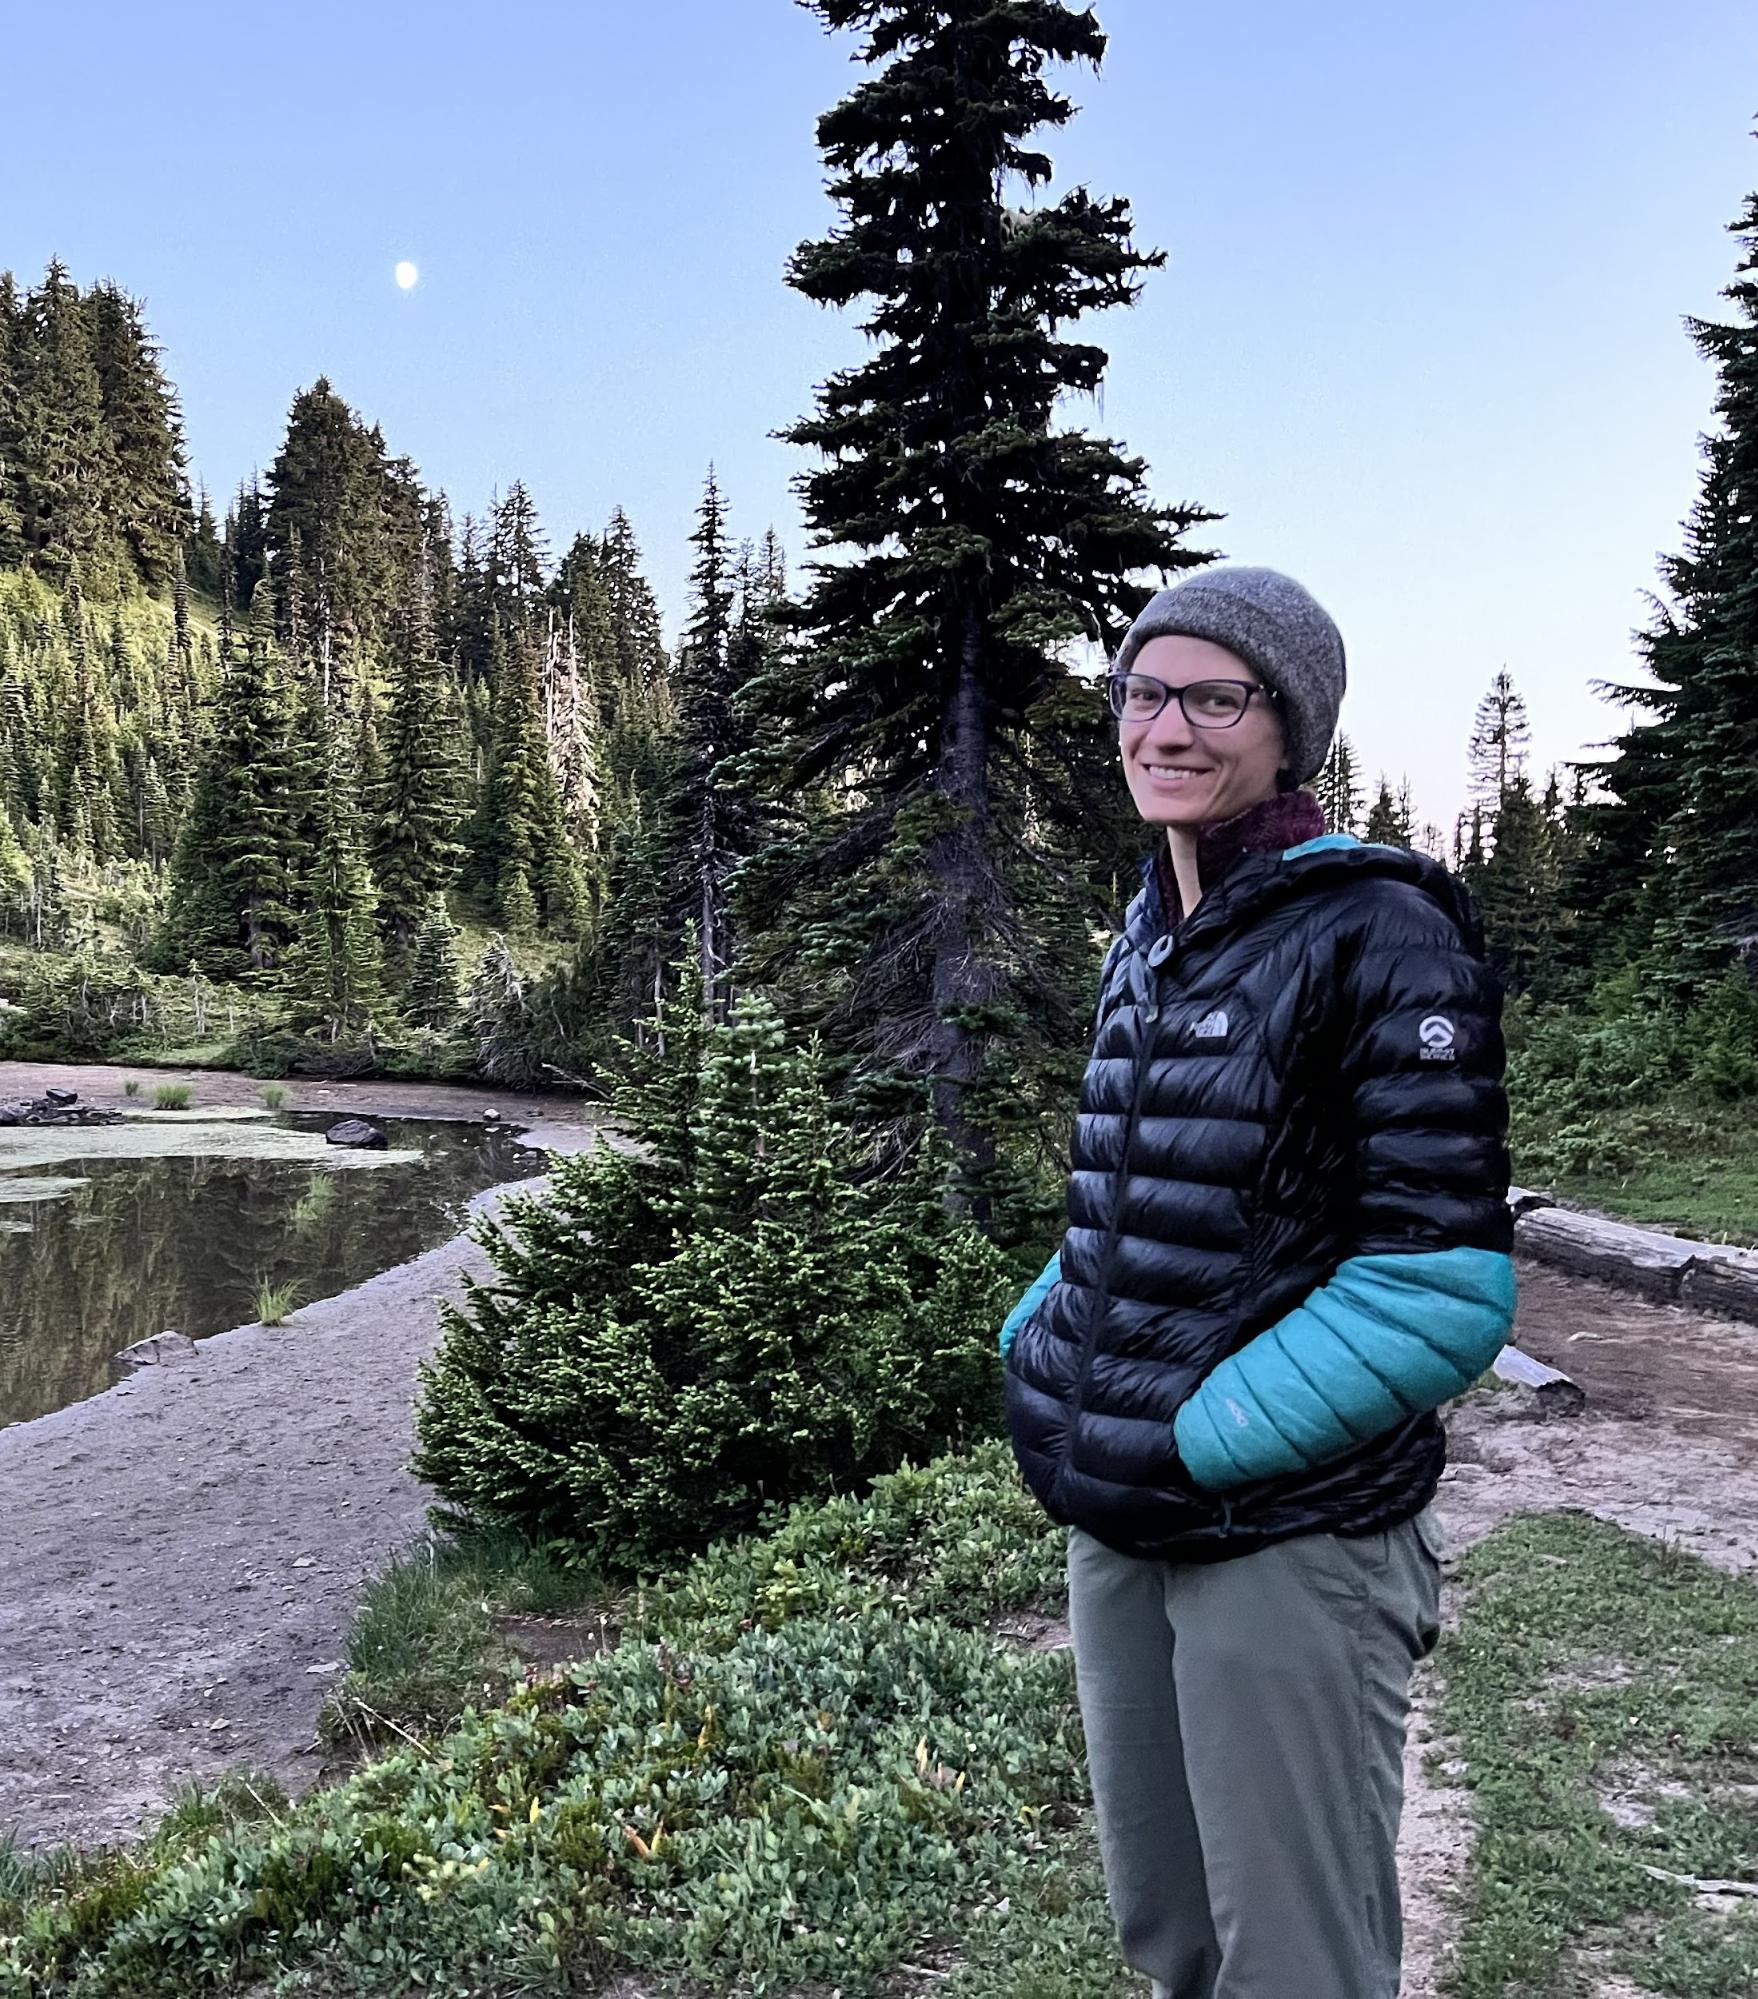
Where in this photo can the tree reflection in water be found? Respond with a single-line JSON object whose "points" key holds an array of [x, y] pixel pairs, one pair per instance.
{"points": [[154, 1243]]}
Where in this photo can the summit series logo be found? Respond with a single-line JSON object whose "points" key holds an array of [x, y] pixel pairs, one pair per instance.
{"points": [[1437, 1036]]}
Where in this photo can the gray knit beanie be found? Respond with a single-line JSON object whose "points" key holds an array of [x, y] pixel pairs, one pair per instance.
{"points": [[1275, 627]]}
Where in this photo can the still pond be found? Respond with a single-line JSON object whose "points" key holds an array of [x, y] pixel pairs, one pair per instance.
{"points": [[110, 1234]]}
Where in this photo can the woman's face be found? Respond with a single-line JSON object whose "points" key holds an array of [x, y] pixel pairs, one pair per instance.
{"points": [[1180, 775]]}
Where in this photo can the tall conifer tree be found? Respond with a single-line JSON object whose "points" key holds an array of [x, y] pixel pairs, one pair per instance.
{"points": [[66, 457], [985, 542], [1496, 753], [151, 496], [335, 969], [1684, 789], [1338, 786], [709, 736], [417, 850], [523, 849], [230, 903]]}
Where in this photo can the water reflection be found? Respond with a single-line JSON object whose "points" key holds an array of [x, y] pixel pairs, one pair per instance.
{"points": [[149, 1243]]}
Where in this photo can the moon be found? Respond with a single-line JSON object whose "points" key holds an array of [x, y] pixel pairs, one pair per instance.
{"points": [[406, 275]]}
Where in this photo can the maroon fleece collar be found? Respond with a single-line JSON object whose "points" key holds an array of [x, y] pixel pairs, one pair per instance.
{"points": [[1273, 823]]}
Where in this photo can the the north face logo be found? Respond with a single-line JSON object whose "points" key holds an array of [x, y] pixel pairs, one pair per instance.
{"points": [[1212, 1026], [1437, 1037]]}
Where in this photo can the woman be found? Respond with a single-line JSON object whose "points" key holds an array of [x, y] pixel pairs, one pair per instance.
{"points": [[1288, 1244]]}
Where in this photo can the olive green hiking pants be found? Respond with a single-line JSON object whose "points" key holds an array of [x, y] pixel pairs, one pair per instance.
{"points": [[1245, 1729]]}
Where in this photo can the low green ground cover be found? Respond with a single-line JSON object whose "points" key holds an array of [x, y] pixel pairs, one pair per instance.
{"points": [[1625, 1103], [807, 1765], [1603, 1694], [795, 1772], [1694, 1175]]}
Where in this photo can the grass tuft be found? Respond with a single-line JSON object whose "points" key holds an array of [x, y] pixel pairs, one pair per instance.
{"points": [[172, 1096], [275, 1302], [275, 1096], [316, 1202], [131, 1088]]}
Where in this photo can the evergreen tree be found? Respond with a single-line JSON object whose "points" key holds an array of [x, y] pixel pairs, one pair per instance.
{"points": [[640, 660], [434, 998], [734, 1319], [1389, 820], [501, 1023], [150, 505], [12, 543], [229, 903], [1338, 786], [356, 518], [1684, 789], [417, 851], [517, 558], [202, 550], [709, 735], [1516, 888], [986, 543], [243, 546], [15, 876], [1497, 751], [523, 848], [334, 974], [88, 811], [67, 460]]}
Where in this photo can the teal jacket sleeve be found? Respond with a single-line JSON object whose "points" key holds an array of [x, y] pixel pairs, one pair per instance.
{"points": [[1426, 1301], [1051, 1274], [1387, 1338]]}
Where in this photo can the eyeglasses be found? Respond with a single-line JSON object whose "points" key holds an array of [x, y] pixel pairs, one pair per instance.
{"points": [[1207, 704]]}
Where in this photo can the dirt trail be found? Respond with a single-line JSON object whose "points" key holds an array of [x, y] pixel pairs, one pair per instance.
{"points": [[1668, 1446]]}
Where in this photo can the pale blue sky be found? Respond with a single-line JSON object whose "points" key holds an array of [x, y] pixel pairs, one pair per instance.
{"points": [[1419, 337]]}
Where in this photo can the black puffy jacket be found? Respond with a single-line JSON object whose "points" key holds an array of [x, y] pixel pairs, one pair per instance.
{"points": [[1288, 1235]]}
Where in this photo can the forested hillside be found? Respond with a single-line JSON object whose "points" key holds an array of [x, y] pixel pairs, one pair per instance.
{"points": [[343, 780]]}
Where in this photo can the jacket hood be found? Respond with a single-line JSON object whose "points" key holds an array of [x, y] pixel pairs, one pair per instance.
{"points": [[1256, 880]]}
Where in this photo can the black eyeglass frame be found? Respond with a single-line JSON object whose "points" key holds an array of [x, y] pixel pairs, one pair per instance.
{"points": [[1249, 687]]}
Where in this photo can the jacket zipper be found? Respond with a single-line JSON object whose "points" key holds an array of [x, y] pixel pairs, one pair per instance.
{"points": [[1151, 1015]]}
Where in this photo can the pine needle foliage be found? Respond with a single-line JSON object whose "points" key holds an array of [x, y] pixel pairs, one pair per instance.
{"points": [[734, 1318], [435, 998], [979, 544], [336, 971]]}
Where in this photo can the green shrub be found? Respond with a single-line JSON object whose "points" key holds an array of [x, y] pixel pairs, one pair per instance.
{"points": [[275, 1096], [172, 1096], [1725, 1030], [736, 1319], [760, 1816], [1602, 1091]]}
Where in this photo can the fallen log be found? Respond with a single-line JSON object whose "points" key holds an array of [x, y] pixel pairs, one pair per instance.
{"points": [[1641, 1260], [1722, 1280]]}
